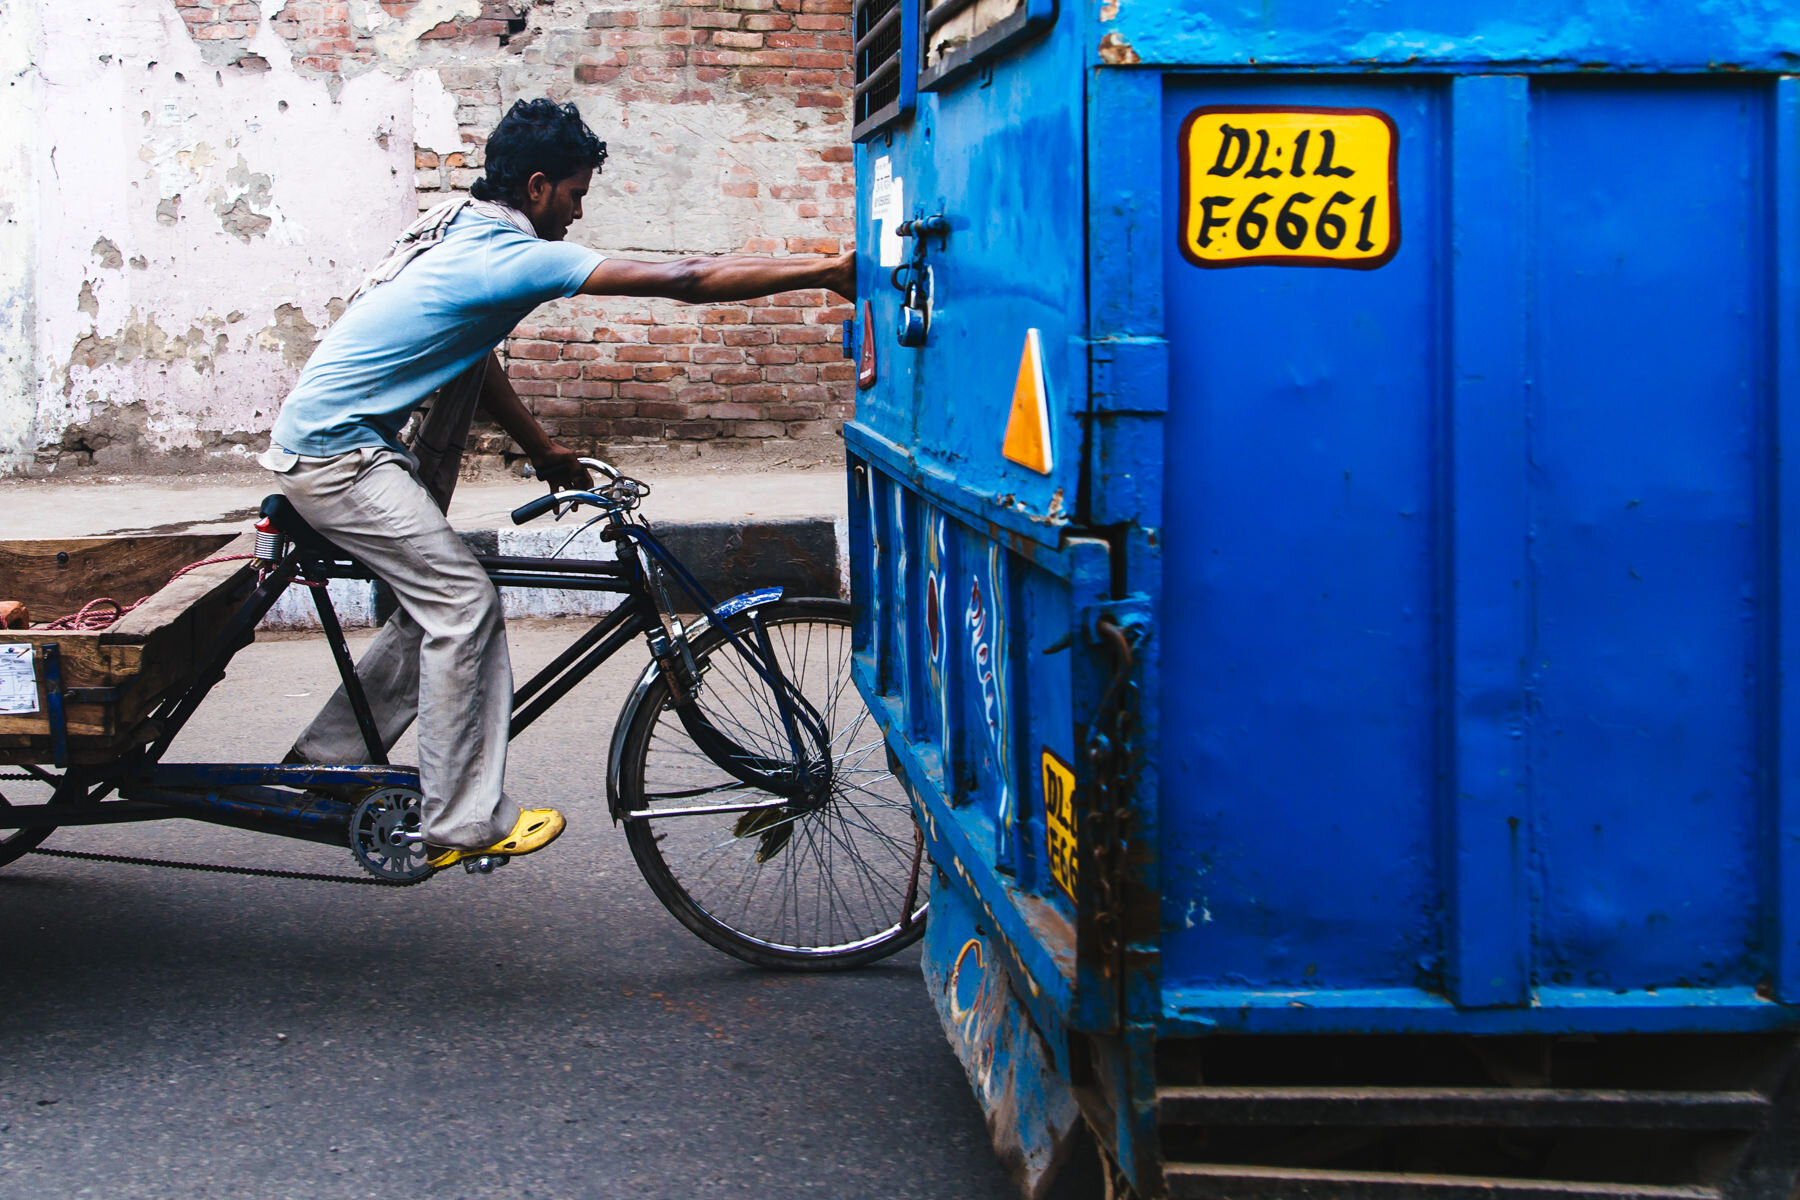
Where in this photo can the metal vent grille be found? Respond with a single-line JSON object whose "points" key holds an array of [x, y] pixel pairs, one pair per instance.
{"points": [[877, 93]]}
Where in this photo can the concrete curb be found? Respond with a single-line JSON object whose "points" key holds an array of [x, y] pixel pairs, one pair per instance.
{"points": [[806, 555]]}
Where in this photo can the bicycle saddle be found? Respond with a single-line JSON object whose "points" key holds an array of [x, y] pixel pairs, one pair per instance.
{"points": [[294, 527]]}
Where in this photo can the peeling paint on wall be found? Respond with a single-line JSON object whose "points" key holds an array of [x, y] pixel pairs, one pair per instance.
{"points": [[240, 221], [18, 227], [398, 43], [141, 338], [434, 114], [208, 181], [249, 194], [291, 335]]}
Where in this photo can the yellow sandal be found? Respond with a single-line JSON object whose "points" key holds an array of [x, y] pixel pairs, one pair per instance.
{"points": [[535, 829]]}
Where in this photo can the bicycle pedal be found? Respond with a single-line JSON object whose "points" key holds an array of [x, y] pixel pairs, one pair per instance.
{"points": [[485, 864]]}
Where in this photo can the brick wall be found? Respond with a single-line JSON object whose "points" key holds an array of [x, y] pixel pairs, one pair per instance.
{"points": [[727, 122]]}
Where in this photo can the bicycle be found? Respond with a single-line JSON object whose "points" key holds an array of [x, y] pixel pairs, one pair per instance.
{"points": [[751, 781]]}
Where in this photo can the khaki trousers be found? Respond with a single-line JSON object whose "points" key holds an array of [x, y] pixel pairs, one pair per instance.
{"points": [[441, 658]]}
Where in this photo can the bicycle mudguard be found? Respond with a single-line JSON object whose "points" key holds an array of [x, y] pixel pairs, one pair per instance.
{"points": [[652, 672], [744, 600]]}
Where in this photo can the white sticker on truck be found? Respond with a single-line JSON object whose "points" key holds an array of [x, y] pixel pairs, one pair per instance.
{"points": [[887, 209]]}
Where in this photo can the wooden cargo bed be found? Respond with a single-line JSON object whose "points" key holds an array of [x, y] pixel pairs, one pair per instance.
{"points": [[149, 654]]}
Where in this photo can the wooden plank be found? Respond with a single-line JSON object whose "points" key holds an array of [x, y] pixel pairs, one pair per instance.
{"points": [[179, 628], [179, 598], [57, 577], [85, 663], [83, 721]]}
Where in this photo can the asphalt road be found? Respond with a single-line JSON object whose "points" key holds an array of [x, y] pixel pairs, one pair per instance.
{"points": [[548, 1031]]}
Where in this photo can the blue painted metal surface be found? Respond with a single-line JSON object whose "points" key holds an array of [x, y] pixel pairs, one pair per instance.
{"points": [[989, 1028], [1521, 617], [1481, 35], [1462, 705]]}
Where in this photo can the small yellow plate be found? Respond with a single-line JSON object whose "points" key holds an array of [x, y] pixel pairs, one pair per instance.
{"points": [[1291, 187], [1059, 821]]}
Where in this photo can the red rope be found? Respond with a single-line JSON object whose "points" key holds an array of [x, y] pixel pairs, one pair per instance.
{"points": [[89, 619]]}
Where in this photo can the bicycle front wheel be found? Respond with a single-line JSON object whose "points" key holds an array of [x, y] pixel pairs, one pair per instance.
{"points": [[825, 884]]}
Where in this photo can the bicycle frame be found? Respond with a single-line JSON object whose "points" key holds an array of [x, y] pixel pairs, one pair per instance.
{"points": [[275, 797]]}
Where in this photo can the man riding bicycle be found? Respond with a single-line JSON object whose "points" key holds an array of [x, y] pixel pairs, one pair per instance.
{"points": [[423, 328]]}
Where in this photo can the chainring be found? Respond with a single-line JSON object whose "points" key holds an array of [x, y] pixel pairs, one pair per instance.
{"points": [[384, 829]]}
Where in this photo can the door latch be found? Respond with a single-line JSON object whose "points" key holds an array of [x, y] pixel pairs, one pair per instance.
{"points": [[912, 279]]}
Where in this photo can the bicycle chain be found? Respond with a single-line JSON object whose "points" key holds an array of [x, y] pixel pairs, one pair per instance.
{"points": [[1112, 762], [215, 869]]}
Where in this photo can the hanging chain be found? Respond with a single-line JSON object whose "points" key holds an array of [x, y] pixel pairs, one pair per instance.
{"points": [[1112, 762]]}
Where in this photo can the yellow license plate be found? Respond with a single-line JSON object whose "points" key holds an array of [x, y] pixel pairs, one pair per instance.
{"points": [[1289, 187], [1059, 821]]}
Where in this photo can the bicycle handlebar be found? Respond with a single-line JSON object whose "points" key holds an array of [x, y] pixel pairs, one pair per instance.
{"points": [[634, 491], [531, 510]]}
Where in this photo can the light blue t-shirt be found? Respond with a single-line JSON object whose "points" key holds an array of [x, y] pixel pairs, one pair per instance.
{"points": [[403, 339]]}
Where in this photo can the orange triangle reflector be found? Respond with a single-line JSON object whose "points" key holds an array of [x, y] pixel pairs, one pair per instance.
{"points": [[1028, 428]]}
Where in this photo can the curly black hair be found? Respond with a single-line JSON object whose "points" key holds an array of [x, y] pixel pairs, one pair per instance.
{"points": [[536, 135]]}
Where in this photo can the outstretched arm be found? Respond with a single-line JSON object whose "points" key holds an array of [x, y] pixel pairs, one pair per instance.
{"points": [[730, 277], [557, 465]]}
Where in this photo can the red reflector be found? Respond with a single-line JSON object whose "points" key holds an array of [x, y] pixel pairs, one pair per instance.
{"points": [[865, 368]]}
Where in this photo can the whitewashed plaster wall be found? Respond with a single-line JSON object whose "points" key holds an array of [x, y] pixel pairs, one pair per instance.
{"points": [[187, 232], [184, 205], [18, 227]]}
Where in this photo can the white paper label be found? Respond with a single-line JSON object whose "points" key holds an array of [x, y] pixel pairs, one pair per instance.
{"points": [[18, 679], [880, 191], [887, 208]]}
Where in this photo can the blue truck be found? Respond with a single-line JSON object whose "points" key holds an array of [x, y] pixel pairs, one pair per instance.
{"points": [[1322, 535]]}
